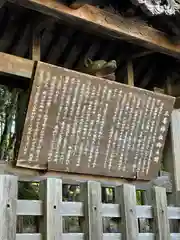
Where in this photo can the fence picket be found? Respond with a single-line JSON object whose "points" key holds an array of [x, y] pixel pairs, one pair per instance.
{"points": [[52, 209], [51, 195], [126, 197], [8, 201], [161, 222], [91, 197]]}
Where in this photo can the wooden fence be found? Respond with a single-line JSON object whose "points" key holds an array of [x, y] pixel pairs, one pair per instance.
{"points": [[52, 209]]}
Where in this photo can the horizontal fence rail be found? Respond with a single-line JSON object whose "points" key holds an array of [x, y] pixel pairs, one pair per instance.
{"points": [[106, 236], [34, 208], [52, 210]]}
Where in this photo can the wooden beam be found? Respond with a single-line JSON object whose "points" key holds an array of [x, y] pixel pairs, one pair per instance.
{"points": [[13, 65], [108, 24], [75, 179]]}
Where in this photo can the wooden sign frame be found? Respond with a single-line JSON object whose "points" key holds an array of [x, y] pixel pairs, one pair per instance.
{"points": [[53, 80]]}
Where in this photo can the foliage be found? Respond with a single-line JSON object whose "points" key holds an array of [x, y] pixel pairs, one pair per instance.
{"points": [[28, 191], [8, 107]]}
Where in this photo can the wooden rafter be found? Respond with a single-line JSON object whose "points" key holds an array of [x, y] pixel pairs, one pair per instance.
{"points": [[108, 24]]}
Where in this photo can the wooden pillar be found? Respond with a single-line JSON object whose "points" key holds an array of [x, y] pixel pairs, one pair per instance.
{"points": [[51, 195], [91, 197], [130, 73], [172, 151], [36, 45], [126, 198], [160, 215], [8, 202]]}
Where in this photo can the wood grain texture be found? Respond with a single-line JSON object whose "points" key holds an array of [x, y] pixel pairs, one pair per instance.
{"points": [[8, 200], [123, 128], [36, 46], [126, 197], [52, 209], [91, 18], [106, 236], [34, 208], [91, 195], [30, 175], [130, 73], [171, 160], [10, 64], [175, 138], [172, 153], [51, 195], [161, 223]]}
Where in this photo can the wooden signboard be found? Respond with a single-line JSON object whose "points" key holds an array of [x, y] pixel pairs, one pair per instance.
{"points": [[84, 124]]}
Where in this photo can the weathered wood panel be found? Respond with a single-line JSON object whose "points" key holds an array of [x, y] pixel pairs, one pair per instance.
{"points": [[84, 124], [31, 175], [106, 23], [91, 196], [172, 153], [8, 200], [106, 236], [175, 141], [51, 195], [35, 208], [161, 223], [51, 208], [17, 66], [126, 197]]}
